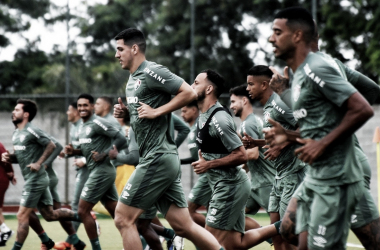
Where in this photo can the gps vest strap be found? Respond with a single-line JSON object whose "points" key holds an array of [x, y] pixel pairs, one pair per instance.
{"points": [[205, 142]]}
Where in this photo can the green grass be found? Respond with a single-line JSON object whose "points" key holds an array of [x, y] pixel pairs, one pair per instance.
{"points": [[110, 238]]}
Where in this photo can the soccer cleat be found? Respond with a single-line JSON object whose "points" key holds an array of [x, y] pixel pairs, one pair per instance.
{"points": [[47, 245], [178, 243], [62, 245], [79, 246], [4, 237]]}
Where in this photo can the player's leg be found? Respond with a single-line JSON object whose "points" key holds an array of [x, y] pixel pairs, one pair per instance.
{"points": [[199, 195], [23, 226], [288, 225], [252, 207], [80, 180], [125, 220], [35, 224], [146, 230]]}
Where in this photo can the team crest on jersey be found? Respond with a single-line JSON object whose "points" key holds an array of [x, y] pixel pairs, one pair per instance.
{"points": [[296, 92], [137, 84], [88, 130], [22, 138]]}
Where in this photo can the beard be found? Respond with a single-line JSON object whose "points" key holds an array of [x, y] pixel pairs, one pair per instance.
{"points": [[16, 121], [238, 112], [201, 96]]}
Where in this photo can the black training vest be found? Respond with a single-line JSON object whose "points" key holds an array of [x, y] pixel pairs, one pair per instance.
{"points": [[205, 142]]}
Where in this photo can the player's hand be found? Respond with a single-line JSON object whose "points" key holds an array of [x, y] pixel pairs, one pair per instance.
{"points": [[273, 152], [119, 110], [113, 153], [276, 134], [200, 166], [98, 157], [310, 151], [249, 142], [34, 167], [12, 178], [79, 163], [61, 155], [278, 82], [146, 111], [68, 150], [5, 157]]}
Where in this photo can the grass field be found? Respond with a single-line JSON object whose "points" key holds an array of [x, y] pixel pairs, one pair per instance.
{"points": [[110, 238]]}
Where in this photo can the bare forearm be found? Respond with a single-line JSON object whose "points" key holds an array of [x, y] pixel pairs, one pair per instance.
{"points": [[237, 157], [47, 152]]}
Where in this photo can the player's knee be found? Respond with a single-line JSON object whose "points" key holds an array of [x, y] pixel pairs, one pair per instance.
{"points": [[121, 222], [48, 214], [22, 216]]}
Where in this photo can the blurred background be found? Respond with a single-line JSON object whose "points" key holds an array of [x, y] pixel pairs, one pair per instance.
{"points": [[53, 50]]}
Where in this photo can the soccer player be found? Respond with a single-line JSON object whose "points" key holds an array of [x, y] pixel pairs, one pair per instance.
{"points": [[182, 129], [220, 154], [96, 138], [262, 171], [365, 217], [32, 148], [329, 110], [200, 194], [103, 107], [156, 180], [290, 170], [6, 176]]}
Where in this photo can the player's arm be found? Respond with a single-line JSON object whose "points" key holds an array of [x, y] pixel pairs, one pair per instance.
{"points": [[69, 151], [182, 129], [188, 160], [184, 96], [58, 148], [130, 158], [118, 141], [47, 152]]}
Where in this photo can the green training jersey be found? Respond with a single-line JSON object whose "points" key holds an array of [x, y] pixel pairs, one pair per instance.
{"points": [[74, 134], [183, 130], [96, 134], [286, 163], [109, 117], [29, 143], [262, 171], [191, 144], [318, 93], [153, 85], [222, 126]]}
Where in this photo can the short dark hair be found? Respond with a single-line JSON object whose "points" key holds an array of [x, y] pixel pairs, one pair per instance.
{"points": [[89, 97], [74, 105], [260, 70], [192, 104], [241, 90], [28, 106], [298, 17], [133, 36], [216, 79], [107, 99]]}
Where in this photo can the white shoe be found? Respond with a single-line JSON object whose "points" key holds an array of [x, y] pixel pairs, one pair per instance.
{"points": [[178, 243]]}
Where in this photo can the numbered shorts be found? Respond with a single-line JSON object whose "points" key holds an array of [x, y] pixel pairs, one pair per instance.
{"points": [[100, 185], [200, 194], [36, 193], [258, 198], [226, 210], [155, 182], [325, 212], [80, 179], [283, 190]]}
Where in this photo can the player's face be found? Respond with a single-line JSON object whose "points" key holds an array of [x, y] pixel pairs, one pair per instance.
{"points": [[200, 85], [236, 105], [85, 108], [281, 39], [71, 113], [101, 107], [188, 113], [124, 54], [18, 114], [254, 87]]}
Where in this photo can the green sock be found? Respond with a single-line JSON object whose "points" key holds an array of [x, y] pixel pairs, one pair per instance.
{"points": [[95, 244], [168, 233], [43, 237], [221, 248], [76, 218], [277, 224], [72, 239], [17, 246]]}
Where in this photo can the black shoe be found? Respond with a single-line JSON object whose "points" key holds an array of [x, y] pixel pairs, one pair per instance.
{"points": [[80, 245], [5, 237], [47, 245]]}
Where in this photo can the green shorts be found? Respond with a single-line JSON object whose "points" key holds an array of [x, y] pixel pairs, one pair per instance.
{"points": [[100, 185], [200, 194], [258, 197], [53, 184], [226, 210], [80, 179], [149, 214], [325, 212], [283, 190], [155, 182], [36, 193]]}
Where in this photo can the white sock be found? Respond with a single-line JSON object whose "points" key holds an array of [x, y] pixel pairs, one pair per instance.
{"points": [[4, 228]]}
